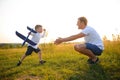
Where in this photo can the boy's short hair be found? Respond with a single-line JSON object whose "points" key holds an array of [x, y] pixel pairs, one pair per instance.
{"points": [[83, 19], [37, 26]]}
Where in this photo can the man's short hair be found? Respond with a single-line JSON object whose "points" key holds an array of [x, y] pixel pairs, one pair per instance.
{"points": [[83, 19]]}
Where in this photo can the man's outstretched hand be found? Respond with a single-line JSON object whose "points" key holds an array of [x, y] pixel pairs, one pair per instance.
{"points": [[58, 41]]}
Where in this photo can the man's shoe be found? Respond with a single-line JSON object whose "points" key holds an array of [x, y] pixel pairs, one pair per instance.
{"points": [[93, 62], [89, 60]]}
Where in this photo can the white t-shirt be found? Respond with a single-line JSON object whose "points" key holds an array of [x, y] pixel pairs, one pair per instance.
{"points": [[36, 38], [92, 37]]}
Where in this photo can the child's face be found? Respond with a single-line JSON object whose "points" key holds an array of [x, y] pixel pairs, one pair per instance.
{"points": [[39, 30]]}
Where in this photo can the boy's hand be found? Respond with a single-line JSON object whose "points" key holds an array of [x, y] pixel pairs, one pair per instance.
{"points": [[29, 33], [44, 29]]}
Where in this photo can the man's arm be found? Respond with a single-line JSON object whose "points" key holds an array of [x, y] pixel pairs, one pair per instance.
{"points": [[73, 37]]}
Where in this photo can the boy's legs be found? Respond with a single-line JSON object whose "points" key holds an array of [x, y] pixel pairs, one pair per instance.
{"points": [[20, 61], [39, 55], [82, 49], [23, 57], [28, 52]]}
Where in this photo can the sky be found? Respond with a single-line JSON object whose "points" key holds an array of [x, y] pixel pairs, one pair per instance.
{"points": [[58, 17]]}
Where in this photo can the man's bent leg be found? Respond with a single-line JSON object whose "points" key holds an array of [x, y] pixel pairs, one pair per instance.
{"points": [[81, 48]]}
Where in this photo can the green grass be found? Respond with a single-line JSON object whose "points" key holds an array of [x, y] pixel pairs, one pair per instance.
{"points": [[63, 63]]}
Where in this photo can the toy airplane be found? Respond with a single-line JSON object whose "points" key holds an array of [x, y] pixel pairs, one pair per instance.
{"points": [[26, 38]]}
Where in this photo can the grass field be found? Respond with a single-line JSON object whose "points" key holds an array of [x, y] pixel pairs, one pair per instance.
{"points": [[63, 63]]}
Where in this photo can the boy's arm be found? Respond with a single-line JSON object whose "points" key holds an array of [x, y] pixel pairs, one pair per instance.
{"points": [[73, 37]]}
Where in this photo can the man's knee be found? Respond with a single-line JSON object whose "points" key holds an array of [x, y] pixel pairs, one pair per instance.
{"points": [[76, 47], [79, 47]]}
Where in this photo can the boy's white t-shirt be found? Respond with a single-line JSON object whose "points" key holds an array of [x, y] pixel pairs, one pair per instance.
{"points": [[36, 38], [92, 37]]}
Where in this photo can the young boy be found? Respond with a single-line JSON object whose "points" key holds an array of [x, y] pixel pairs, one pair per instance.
{"points": [[35, 38], [93, 45]]}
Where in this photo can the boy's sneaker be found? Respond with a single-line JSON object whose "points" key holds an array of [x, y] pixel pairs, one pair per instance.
{"points": [[93, 62], [42, 62], [19, 63]]}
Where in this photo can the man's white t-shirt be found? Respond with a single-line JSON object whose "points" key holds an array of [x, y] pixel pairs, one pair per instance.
{"points": [[36, 38], [92, 37]]}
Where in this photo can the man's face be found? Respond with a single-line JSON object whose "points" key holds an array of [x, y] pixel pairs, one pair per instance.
{"points": [[79, 24]]}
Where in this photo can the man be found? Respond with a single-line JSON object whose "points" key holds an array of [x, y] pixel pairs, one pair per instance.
{"points": [[93, 45]]}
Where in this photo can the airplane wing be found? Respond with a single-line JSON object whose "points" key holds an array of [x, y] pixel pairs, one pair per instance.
{"points": [[24, 38], [31, 29], [30, 42], [20, 35]]}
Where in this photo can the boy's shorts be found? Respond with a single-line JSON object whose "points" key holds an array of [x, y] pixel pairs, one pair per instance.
{"points": [[95, 49], [31, 49]]}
